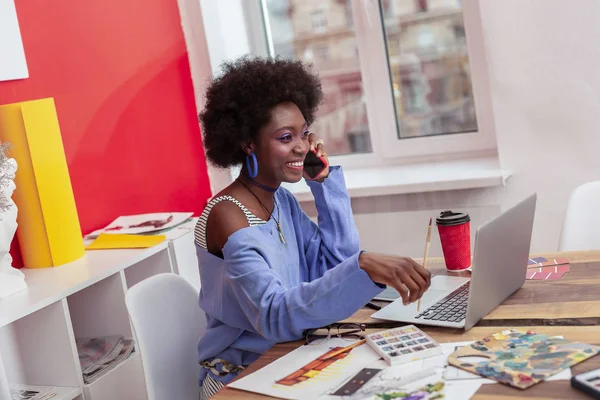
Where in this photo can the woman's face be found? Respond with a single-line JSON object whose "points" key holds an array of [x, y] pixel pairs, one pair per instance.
{"points": [[282, 145]]}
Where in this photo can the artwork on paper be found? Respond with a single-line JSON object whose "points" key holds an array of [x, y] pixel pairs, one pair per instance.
{"points": [[315, 367], [521, 358], [542, 269], [309, 372], [12, 55], [143, 223], [547, 273]]}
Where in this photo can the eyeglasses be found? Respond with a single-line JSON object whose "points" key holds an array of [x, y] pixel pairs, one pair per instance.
{"points": [[349, 332]]}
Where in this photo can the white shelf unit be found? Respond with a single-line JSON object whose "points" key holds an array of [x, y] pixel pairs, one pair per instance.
{"points": [[38, 349], [155, 264], [85, 298]]}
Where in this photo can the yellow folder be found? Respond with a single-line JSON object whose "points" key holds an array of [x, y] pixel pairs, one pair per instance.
{"points": [[122, 241], [49, 232]]}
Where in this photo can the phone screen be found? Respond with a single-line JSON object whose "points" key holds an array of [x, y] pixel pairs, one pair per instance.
{"points": [[313, 165]]}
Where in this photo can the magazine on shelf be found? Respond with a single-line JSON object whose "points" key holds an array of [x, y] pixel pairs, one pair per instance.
{"points": [[141, 224], [126, 350], [93, 352], [99, 355], [30, 392]]}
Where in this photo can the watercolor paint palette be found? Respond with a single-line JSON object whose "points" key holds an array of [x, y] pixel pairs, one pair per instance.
{"points": [[403, 345], [521, 358]]}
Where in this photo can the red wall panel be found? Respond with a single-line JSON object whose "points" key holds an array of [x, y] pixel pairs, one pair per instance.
{"points": [[118, 71]]}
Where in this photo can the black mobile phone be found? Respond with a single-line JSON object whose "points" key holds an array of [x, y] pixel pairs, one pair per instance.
{"points": [[313, 165], [588, 382]]}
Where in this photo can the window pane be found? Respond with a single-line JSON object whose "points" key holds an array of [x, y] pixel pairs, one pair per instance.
{"points": [[322, 32], [429, 65]]}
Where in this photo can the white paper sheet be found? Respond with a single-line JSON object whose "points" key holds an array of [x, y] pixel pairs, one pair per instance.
{"points": [[263, 380], [143, 223], [12, 56], [461, 390]]}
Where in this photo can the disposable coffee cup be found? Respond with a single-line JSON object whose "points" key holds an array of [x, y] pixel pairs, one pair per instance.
{"points": [[455, 236]]}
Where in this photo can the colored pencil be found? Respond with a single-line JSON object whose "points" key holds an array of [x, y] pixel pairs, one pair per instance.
{"points": [[344, 349]]}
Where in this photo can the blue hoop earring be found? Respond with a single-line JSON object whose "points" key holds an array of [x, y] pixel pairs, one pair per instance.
{"points": [[252, 172]]}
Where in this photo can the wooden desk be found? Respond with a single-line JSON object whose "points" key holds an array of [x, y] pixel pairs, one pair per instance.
{"points": [[569, 307]]}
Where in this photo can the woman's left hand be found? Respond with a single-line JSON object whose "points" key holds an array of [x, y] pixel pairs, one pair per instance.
{"points": [[319, 146]]}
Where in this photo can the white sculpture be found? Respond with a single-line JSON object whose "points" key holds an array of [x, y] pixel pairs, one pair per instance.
{"points": [[11, 280]]}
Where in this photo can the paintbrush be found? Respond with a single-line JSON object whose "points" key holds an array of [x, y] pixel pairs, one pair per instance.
{"points": [[427, 241]]}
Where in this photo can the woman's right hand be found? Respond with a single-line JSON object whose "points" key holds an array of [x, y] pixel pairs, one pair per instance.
{"points": [[405, 275]]}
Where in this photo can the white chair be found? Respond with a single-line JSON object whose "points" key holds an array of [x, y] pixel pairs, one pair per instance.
{"points": [[582, 219], [167, 322]]}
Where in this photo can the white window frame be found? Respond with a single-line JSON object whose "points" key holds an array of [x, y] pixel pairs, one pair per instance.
{"points": [[442, 162], [380, 101]]}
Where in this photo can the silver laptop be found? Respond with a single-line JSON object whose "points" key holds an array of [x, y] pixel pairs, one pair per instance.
{"points": [[499, 269]]}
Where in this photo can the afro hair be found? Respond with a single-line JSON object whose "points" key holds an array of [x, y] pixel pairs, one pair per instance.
{"points": [[239, 102]]}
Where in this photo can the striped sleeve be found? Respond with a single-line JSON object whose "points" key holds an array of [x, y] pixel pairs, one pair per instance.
{"points": [[200, 229]]}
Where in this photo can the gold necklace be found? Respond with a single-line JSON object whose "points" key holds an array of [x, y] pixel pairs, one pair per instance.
{"points": [[275, 205]]}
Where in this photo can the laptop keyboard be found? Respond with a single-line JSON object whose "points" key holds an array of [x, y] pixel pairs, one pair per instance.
{"points": [[452, 308]]}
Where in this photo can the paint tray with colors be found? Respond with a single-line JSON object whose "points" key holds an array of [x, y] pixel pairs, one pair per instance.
{"points": [[521, 358], [403, 345]]}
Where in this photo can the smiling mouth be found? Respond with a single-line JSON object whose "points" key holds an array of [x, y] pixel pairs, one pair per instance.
{"points": [[295, 165]]}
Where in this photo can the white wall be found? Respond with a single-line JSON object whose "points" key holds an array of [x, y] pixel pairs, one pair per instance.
{"points": [[545, 75], [545, 68]]}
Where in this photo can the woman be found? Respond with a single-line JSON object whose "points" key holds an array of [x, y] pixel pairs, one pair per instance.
{"points": [[268, 272]]}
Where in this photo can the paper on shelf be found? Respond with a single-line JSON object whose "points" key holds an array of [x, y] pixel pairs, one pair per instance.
{"points": [[30, 392], [114, 241], [95, 351], [143, 223], [126, 351]]}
